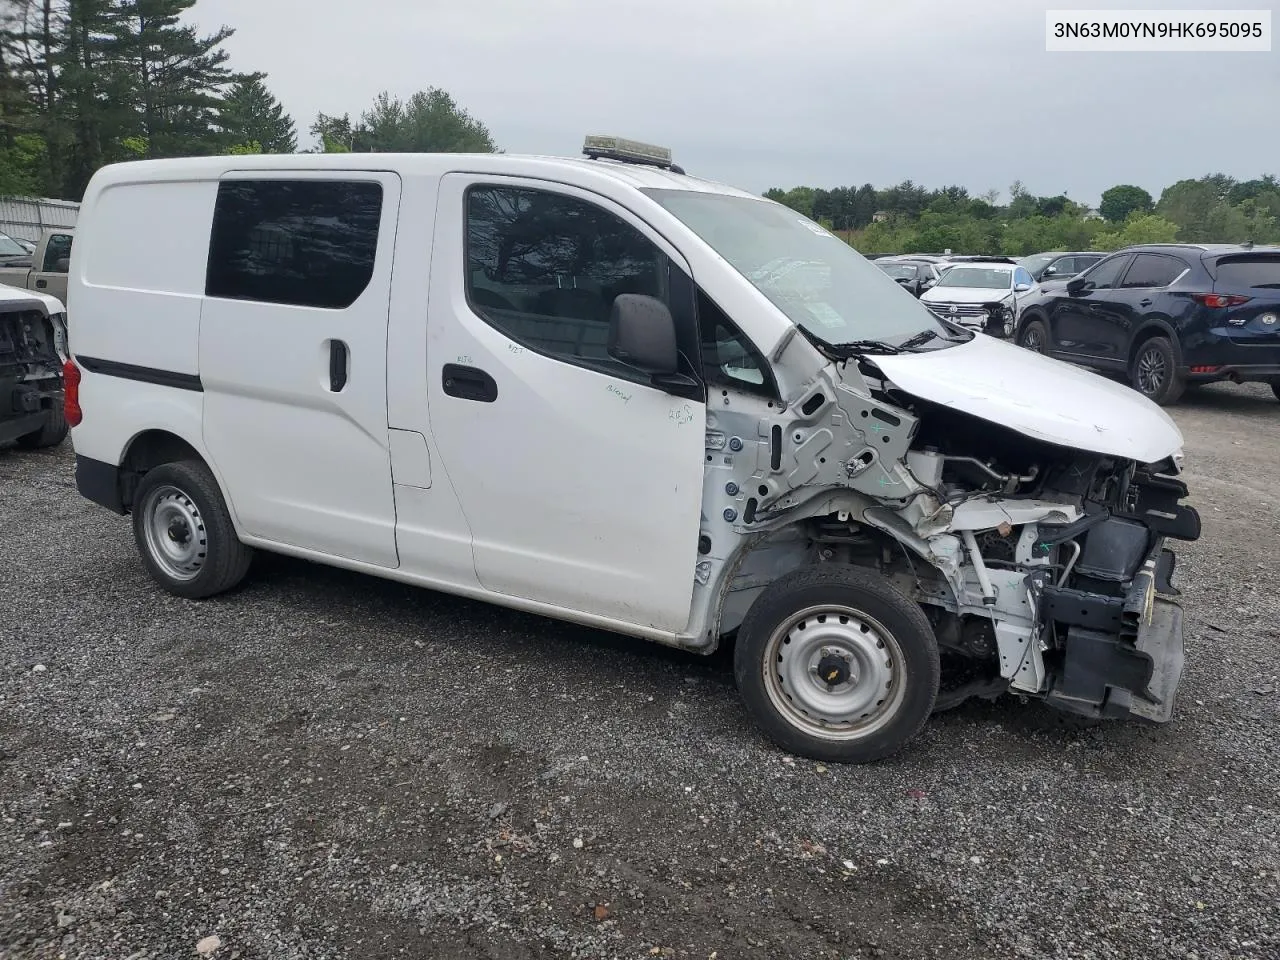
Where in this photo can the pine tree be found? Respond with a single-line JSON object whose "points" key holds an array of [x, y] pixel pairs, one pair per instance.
{"points": [[251, 114], [178, 75]]}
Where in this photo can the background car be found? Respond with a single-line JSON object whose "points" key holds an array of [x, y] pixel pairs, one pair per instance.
{"points": [[1166, 315], [1058, 265], [914, 275], [980, 294]]}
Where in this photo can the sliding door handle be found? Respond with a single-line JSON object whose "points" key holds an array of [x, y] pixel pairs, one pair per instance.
{"points": [[338, 354], [469, 383]]}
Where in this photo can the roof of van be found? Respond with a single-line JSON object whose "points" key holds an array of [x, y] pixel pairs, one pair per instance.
{"points": [[636, 175]]}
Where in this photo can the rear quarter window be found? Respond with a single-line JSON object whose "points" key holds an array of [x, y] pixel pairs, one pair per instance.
{"points": [[1249, 272], [304, 243]]}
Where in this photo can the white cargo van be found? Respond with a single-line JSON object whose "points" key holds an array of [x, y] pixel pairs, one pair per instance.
{"points": [[608, 392]]}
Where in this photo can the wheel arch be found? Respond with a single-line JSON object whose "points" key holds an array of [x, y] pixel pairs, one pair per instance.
{"points": [[1151, 328], [1028, 315], [155, 446]]}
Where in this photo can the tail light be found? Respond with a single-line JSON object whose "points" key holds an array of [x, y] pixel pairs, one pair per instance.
{"points": [[1219, 299], [71, 394]]}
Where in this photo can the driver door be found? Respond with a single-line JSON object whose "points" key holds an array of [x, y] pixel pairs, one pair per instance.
{"points": [[581, 481], [1082, 322]]}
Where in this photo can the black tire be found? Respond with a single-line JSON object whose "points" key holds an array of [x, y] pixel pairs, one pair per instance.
{"points": [[51, 434], [1275, 388], [208, 558], [1154, 372], [1034, 336], [857, 614]]}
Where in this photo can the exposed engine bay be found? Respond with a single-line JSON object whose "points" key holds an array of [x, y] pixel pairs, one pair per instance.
{"points": [[1043, 569], [31, 354]]}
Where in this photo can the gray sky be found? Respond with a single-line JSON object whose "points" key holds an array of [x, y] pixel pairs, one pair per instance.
{"points": [[762, 93]]}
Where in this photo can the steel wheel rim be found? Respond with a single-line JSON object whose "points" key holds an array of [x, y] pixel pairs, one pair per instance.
{"points": [[819, 636], [1031, 340], [175, 532], [1151, 371]]}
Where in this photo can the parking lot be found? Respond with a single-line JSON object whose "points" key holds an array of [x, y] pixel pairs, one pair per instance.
{"points": [[327, 765]]}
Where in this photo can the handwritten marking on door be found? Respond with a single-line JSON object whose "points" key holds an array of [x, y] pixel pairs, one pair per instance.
{"points": [[617, 392], [463, 358], [681, 415], [515, 348]]}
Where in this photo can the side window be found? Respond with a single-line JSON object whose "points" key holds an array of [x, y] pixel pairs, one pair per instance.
{"points": [[544, 269], [1152, 270], [1107, 273], [728, 357], [1063, 267], [305, 243], [1021, 276], [57, 249]]}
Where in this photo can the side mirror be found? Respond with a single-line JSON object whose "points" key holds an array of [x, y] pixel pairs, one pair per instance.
{"points": [[1076, 285], [1021, 287], [62, 265], [642, 334], [1049, 272]]}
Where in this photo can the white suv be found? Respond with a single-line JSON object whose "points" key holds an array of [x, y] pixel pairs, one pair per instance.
{"points": [[980, 295], [607, 392]]}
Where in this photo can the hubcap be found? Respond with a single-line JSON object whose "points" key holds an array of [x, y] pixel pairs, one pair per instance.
{"points": [[174, 532], [834, 672], [1031, 340], [1151, 371]]}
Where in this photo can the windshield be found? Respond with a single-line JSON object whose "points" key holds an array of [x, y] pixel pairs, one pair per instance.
{"points": [[1034, 263], [985, 278], [10, 247], [898, 271], [820, 282]]}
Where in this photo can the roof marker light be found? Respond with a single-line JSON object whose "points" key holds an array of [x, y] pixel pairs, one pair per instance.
{"points": [[628, 151]]}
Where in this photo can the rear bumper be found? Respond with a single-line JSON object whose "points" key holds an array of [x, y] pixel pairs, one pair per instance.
{"points": [[99, 482], [1235, 372]]}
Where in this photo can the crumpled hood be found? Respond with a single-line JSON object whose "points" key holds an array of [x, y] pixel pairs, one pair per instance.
{"points": [[1038, 397], [964, 295]]}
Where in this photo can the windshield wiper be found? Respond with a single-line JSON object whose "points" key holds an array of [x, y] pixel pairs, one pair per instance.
{"points": [[867, 346], [920, 339]]}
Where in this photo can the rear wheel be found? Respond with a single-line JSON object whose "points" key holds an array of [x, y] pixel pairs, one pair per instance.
{"points": [[1154, 372], [835, 663], [51, 434], [1034, 337], [184, 531]]}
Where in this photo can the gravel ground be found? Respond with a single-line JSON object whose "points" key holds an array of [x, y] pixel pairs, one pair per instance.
{"points": [[324, 765]]}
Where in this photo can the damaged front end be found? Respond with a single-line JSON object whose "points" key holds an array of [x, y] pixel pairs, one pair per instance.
{"points": [[1045, 569], [32, 351]]}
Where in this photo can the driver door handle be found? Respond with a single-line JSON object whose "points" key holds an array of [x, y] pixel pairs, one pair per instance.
{"points": [[1145, 302], [469, 383]]}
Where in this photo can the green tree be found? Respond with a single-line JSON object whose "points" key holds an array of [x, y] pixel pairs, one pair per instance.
{"points": [[22, 164], [430, 121], [177, 75], [1138, 228], [1122, 200], [249, 113]]}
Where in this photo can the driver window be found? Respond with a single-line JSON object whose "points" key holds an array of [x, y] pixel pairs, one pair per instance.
{"points": [[728, 357], [545, 268], [1105, 274]]}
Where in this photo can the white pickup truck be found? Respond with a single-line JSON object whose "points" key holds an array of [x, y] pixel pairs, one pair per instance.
{"points": [[44, 271]]}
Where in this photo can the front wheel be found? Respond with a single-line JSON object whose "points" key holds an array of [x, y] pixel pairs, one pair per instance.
{"points": [[1155, 372], [184, 531], [1275, 388], [835, 663], [1034, 337]]}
